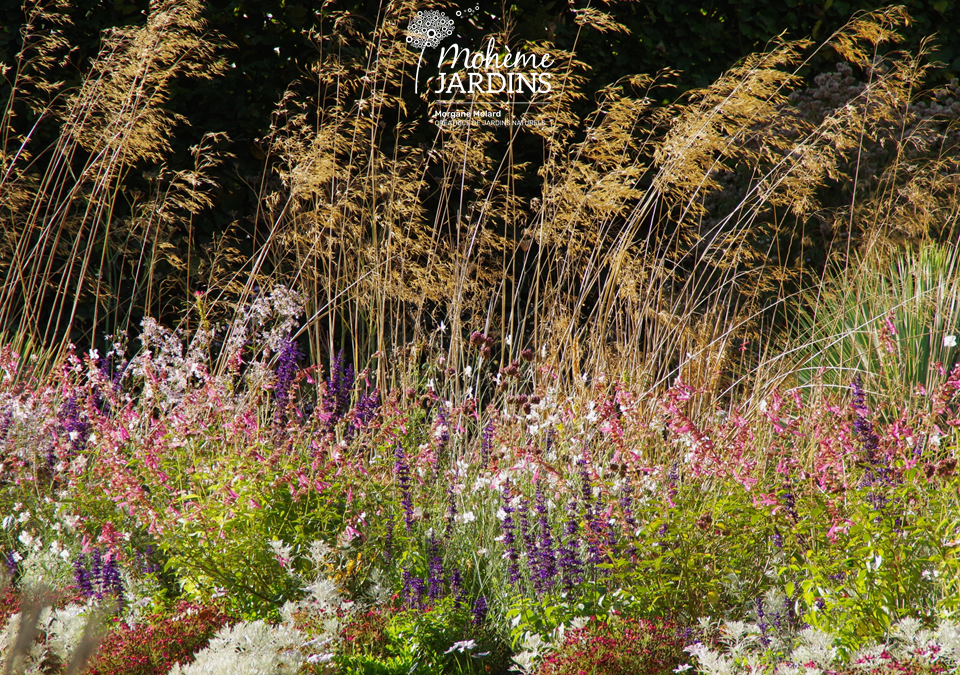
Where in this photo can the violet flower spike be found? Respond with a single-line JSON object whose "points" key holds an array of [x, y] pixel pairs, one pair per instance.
{"points": [[417, 592], [336, 403], [412, 590], [570, 566], [112, 584], [546, 566], [451, 508], [96, 573], [761, 624], [81, 576], [526, 534], [456, 588], [406, 577], [509, 540], [287, 369], [479, 611], [486, 442], [626, 504], [590, 514], [791, 613], [626, 508], [366, 409], [10, 561], [442, 427], [790, 502], [672, 477], [861, 423], [74, 424], [435, 578], [5, 422], [402, 469]]}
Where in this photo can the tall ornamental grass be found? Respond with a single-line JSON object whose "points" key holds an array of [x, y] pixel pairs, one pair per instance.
{"points": [[651, 239]]}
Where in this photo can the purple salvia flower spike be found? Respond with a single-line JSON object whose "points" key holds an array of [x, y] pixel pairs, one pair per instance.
{"points": [[509, 540], [402, 470], [570, 565], [479, 611], [546, 557], [435, 576], [486, 443], [287, 368], [456, 587], [81, 576]]}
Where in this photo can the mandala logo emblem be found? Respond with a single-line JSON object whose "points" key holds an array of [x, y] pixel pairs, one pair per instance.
{"points": [[428, 29]]}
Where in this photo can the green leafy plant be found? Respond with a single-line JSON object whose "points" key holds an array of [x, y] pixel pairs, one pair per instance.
{"points": [[861, 580], [440, 640], [254, 549], [891, 321]]}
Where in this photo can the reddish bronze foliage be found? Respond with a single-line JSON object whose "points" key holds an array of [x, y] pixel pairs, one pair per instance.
{"points": [[366, 634], [9, 604], [621, 646], [155, 645]]}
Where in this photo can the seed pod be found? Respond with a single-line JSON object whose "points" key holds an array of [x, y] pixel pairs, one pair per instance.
{"points": [[947, 467]]}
